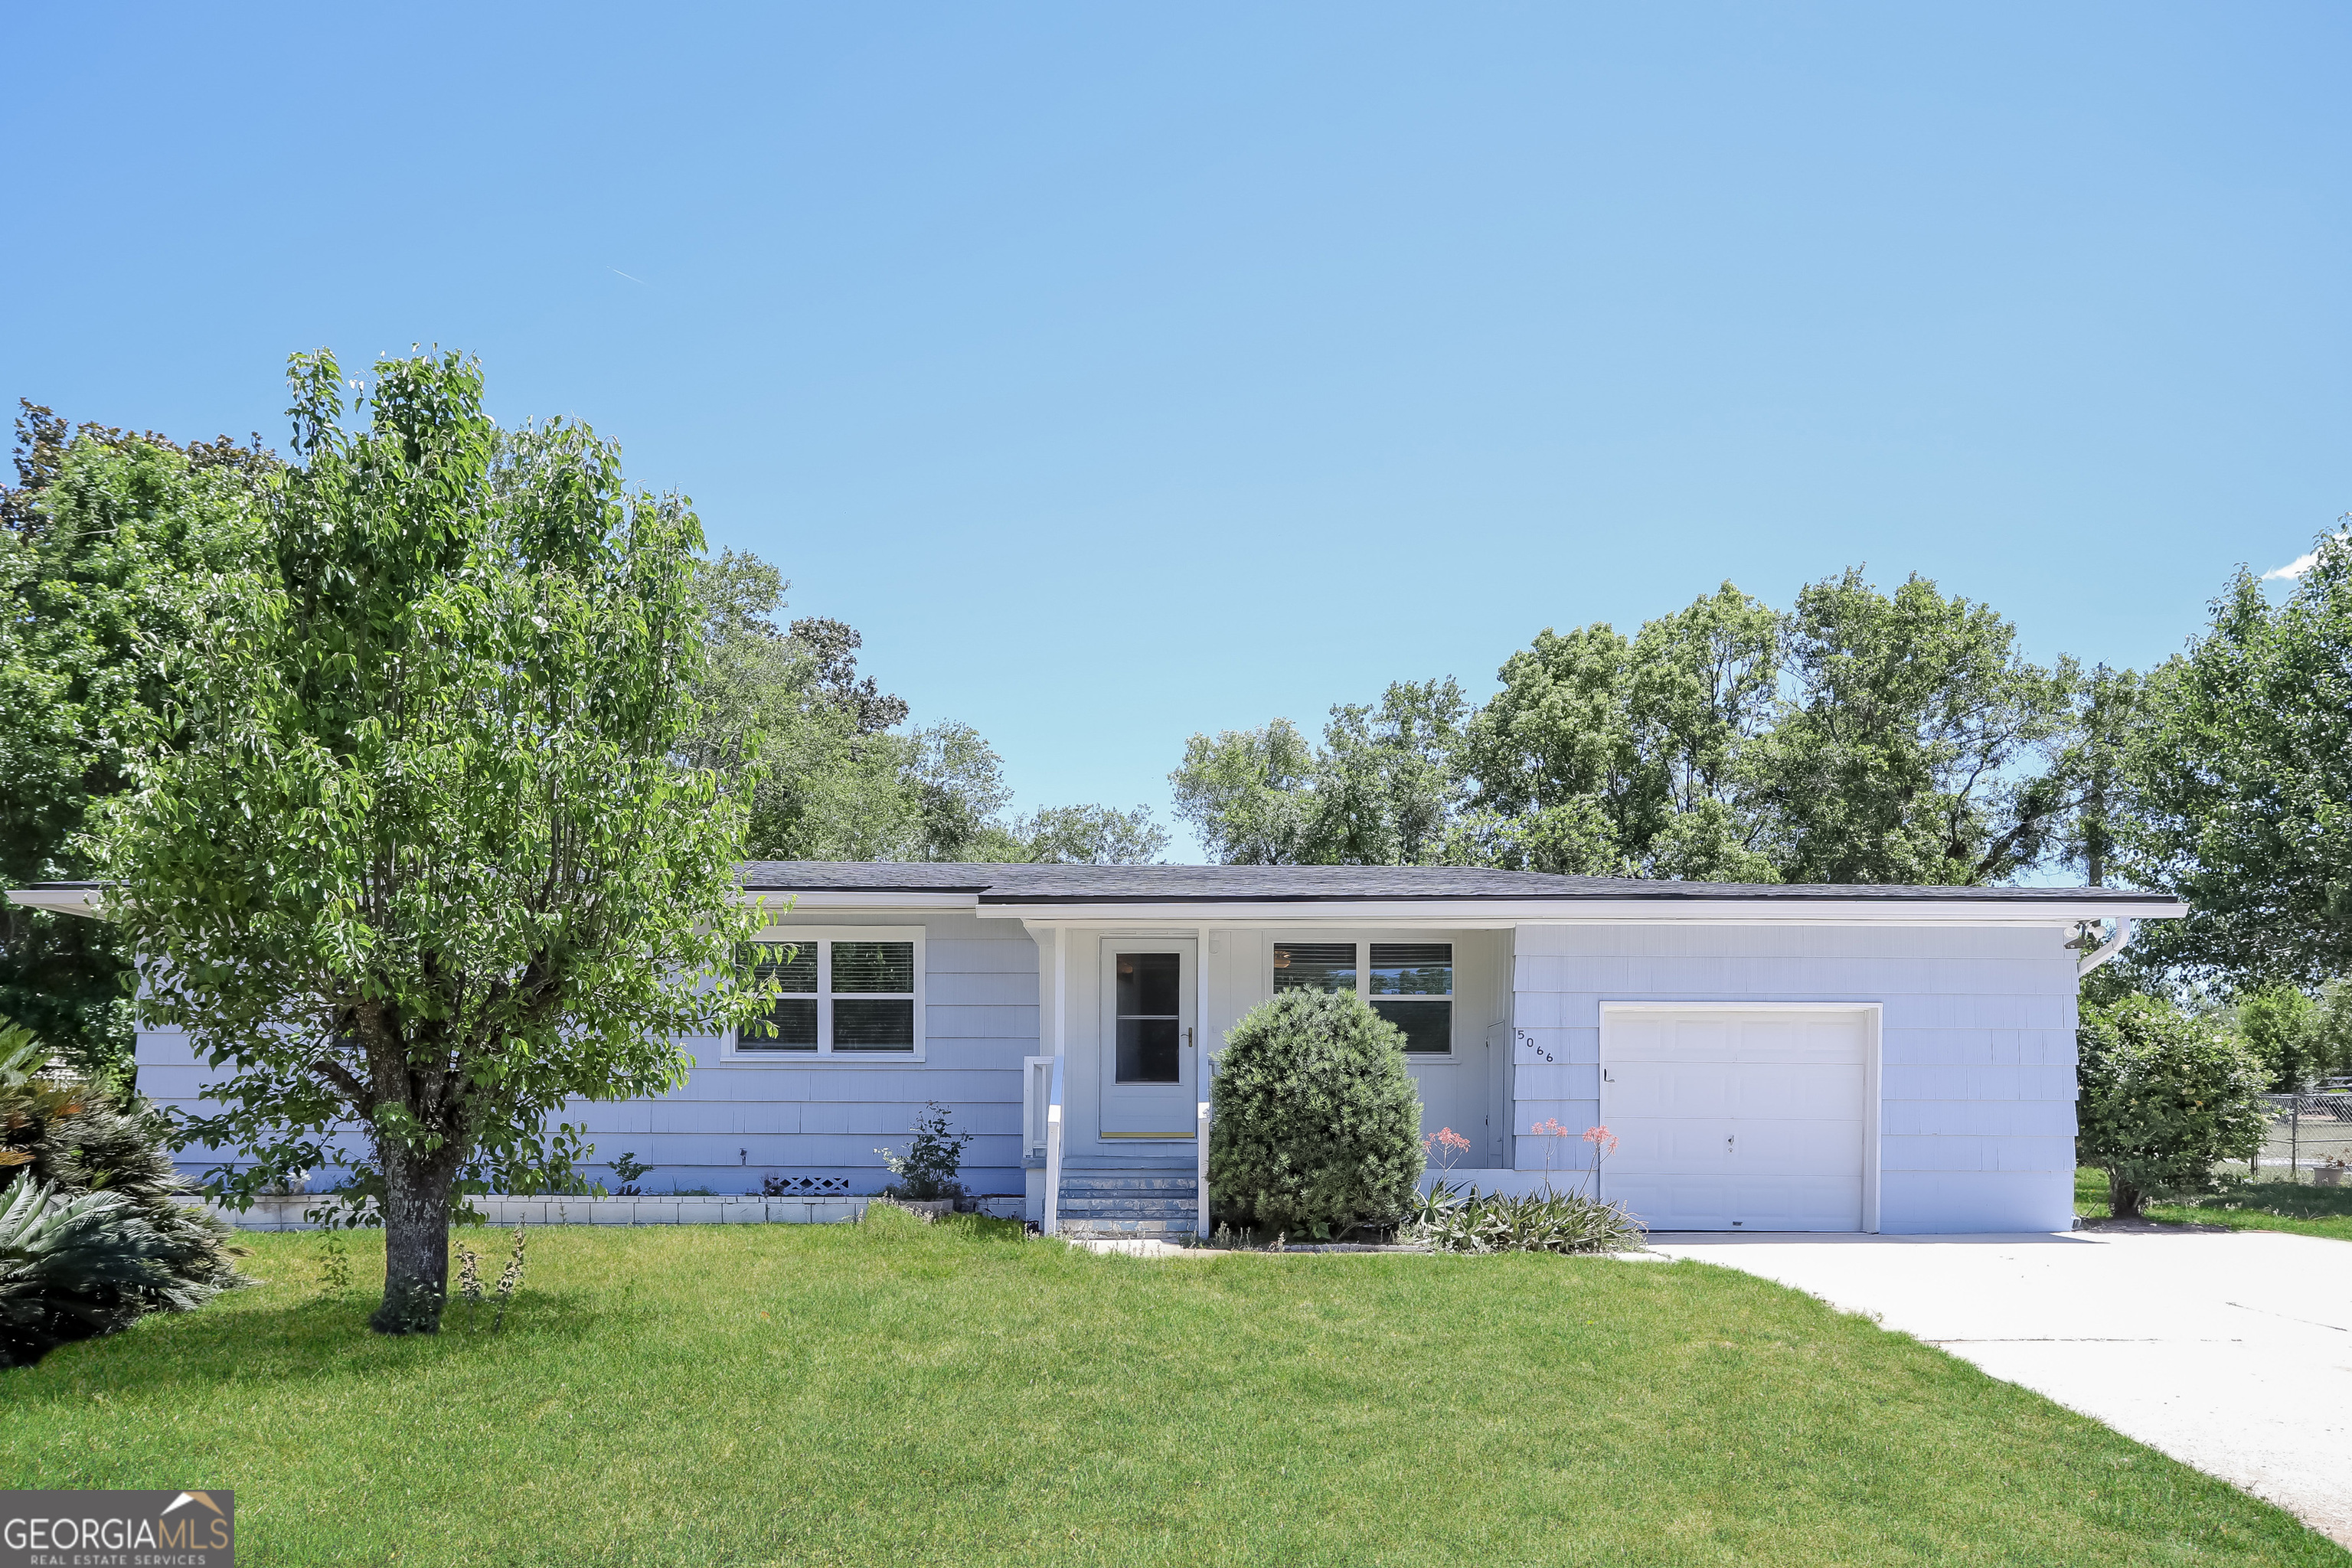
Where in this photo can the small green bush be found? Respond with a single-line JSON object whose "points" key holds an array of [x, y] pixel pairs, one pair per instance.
{"points": [[1316, 1124], [927, 1171], [2160, 1096]]}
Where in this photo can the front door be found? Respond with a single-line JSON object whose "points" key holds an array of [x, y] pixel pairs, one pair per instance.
{"points": [[1150, 1061]]}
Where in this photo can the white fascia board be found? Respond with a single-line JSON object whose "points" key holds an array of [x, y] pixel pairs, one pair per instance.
{"points": [[80, 902], [1490, 913], [798, 903]]}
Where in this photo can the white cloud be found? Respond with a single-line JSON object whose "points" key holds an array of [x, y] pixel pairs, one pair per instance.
{"points": [[2300, 564]]}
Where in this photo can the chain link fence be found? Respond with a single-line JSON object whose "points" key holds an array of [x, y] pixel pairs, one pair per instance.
{"points": [[2307, 1137]]}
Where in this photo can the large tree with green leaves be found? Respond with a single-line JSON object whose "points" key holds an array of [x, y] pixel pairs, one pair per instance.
{"points": [[782, 714], [1916, 743], [1382, 789], [2242, 776], [1608, 756], [95, 535], [1861, 737], [815, 749], [421, 862]]}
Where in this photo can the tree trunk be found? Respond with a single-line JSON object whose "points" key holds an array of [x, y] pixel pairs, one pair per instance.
{"points": [[416, 1189], [2123, 1198]]}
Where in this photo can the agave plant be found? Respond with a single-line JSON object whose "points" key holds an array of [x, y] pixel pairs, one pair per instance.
{"points": [[76, 1265], [71, 1145], [1452, 1221]]}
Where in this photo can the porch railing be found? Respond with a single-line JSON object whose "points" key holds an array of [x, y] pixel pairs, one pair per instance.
{"points": [[1053, 1219], [1201, 1150], [1037, 1093]]}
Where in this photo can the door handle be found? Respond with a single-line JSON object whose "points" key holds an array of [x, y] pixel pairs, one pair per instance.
{"points": [[1187, 1037]]}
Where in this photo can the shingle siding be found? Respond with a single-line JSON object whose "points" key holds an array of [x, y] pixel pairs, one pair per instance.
{"points": [[1977, 1092], [805, 1118], [1978, 1051]]}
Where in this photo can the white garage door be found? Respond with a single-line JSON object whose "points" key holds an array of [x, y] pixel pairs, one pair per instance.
{"points": [[1737, 1121]]}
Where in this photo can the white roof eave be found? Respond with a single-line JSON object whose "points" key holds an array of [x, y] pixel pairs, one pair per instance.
{"points": [[83, 901], [1491, 912]]}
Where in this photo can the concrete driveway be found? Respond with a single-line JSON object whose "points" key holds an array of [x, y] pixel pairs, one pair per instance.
{"points": [[2230, 1351]]}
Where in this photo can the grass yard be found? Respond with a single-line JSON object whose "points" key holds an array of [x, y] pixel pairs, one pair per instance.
{"points": [[892, 1393], [2240, 1205]]}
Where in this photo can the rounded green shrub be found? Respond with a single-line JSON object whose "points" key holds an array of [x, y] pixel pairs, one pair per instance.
{"points": [[1316, 1124], [2160, 1096]]}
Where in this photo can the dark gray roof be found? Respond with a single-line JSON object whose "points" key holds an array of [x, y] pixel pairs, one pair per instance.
{"points": [[1026, 884]]}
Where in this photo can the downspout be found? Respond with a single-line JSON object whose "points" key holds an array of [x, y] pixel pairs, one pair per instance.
{"points": [[2105, 949]]}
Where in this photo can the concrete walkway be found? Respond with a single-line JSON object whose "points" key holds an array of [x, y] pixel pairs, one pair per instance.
{"points": [[2228, 1351]]}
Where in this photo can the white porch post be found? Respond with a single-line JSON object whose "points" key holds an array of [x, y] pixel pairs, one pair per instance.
{"points": [[1056, 964], [1200, 1145], [1053, 1219]]}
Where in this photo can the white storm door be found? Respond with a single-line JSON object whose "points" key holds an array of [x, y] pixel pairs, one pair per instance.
{"points": [[1738, 1120], [1149, 1055]]}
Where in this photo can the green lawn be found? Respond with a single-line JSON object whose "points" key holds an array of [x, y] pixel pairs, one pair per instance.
{"points": [[2240, 1205], [895, 1393]]}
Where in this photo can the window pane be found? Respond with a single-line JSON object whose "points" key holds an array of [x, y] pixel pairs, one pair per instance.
{"points": [[1428, 1025], [1148, 984], [1413, 969], [870, 1024], [873, 966], [1315, 966], [790, 1025], [1147, 1051], [792, 966]]}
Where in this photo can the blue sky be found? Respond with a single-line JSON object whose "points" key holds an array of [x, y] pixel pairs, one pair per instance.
{"points": [[1124, 372]]}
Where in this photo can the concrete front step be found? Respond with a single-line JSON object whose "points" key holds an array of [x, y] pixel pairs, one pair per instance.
{"points": [[1130, 1203], [1077, 1229], [1100, 1180]]}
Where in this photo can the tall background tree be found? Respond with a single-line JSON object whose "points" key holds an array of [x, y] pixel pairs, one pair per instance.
{"points": [[97, 534], [1859, 737], [1917, 745], [412, 853], [1608, 756], [2242, 784], [817, 750]]}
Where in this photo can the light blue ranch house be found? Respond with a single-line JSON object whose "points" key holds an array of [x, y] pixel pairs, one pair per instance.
{"points": [[1772, 1057]]}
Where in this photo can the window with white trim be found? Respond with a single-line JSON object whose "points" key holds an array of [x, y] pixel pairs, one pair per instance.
{"points": [[1410, 984], [855, 994]]}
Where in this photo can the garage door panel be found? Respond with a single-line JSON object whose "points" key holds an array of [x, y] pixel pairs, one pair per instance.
{"points": [[1792, 1090], [1670, 1088], [1651, 1145], [1766, 1038], [1732, 1121], [1679, 1203], [1798, 1148], [1799, 1202], [1818, 1147]]}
